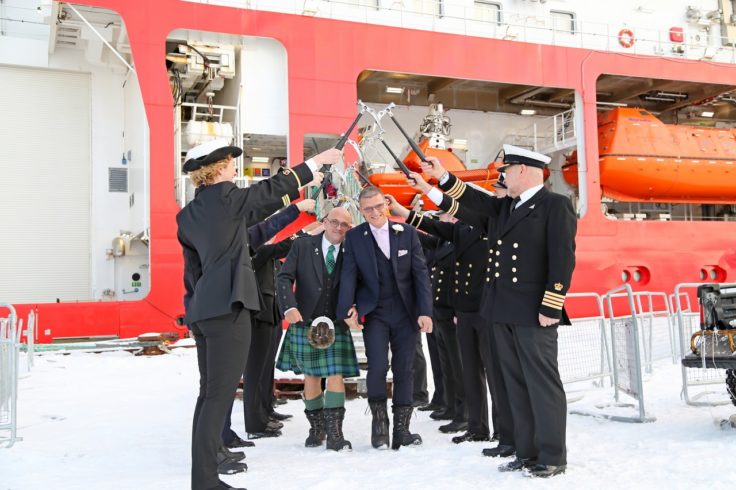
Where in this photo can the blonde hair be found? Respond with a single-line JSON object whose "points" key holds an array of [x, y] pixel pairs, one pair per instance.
{"points": [[206, 175]]}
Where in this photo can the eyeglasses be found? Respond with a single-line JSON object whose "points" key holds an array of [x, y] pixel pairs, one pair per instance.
{"points": [[378, 208], [339, 224]]}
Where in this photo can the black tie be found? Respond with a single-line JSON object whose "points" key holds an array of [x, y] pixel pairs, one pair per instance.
{"points": [[514, 203]]}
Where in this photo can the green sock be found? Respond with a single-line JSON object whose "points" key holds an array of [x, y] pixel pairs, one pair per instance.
{"points": [[315, 403], [334, 399]]}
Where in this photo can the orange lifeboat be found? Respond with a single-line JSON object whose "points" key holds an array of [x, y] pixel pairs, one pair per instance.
{"points": [[396, 183], [643, 159]]}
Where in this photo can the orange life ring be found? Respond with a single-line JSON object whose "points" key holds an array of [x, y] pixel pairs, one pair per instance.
{"points": [[626, 38]]}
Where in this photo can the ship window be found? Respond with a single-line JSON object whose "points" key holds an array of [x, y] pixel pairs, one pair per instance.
{"points": [[487, 11], [563, 21]]}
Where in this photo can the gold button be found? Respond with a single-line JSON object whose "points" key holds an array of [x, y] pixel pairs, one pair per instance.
{"points": [[514, 279], [470, 266], [456, 291], [490, 259], [433, 268], [437, 298], [498, 252], [513, 257], [439, 281], [457, 263], [466, 283], [488, 269], [456, 281], [442, 272], [488, 279], [485, 238], [499, 242], [516, 245], [456, 272], [490, 250], [497, 274], [497, 264], [468, 274]]}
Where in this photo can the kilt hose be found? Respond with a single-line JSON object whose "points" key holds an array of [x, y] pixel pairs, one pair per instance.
{"points": [[299, 356]]}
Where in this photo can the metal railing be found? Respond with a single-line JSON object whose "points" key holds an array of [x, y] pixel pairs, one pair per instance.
{"points": [[478, 20], [9, 354]]}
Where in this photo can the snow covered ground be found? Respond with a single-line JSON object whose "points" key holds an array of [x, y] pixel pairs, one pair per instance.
{"points": [[116, 421]]}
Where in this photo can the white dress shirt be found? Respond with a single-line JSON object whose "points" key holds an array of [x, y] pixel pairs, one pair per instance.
{"points": [[382, 238]]}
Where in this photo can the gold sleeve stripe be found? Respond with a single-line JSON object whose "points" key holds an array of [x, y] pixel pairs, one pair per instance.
{"points": [[553, 306], [453, 208], [553, 302], [451, 191], [457, 189], [554, 295], [419, 221], [286, 200], [298, 181]]}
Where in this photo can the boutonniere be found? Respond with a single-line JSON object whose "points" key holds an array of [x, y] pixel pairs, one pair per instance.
{"points": [[397, 228]]}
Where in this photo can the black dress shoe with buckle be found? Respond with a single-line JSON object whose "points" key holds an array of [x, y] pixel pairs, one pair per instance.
{"points": [[454, 426], [544, 470], [266, 433], [238, 442], [500, 451], [470, 436], [517, 464], [441, 415], [279, 416]]}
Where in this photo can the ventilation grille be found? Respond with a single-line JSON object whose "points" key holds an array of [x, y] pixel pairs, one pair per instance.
{"points": [[117, 179]]}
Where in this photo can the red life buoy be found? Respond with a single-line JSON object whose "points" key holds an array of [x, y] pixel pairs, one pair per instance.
{"points": [[626, 38]]}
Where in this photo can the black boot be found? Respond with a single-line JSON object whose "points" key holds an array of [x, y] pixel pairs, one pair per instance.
{"points": [[333, 426], [402, 436], [316, 428], [379, 427]]}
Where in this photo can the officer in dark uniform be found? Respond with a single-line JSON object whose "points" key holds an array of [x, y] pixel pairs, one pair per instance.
{"points": [[480, 364], [529, 273], [221, 288]]}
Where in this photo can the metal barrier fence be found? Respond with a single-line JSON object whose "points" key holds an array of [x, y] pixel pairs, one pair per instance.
{"points": [[583, 351], [625, 350], [9, 353], [688, 322]]}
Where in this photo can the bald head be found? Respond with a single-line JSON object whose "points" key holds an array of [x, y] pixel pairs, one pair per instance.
{"points": [[337, 223]]}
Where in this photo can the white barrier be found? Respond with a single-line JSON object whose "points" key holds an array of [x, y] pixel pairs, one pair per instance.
{"points": [[9, 354]]}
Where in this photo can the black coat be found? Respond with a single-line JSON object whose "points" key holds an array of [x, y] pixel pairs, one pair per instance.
{"points": [[439, 256], [305, 266], [464, 284], [531, 252], [212, 230]]}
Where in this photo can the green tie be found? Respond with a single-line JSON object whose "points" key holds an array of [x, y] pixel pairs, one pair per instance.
{"points": [[330, 262]]}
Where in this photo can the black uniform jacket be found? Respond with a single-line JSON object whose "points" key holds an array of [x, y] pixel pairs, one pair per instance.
{"points": [[467, 275], [439, 256], [531, 251], [305, 266], [213, 233]]}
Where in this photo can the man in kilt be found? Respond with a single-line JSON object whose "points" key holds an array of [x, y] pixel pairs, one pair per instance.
{"points": [[314, 264]]}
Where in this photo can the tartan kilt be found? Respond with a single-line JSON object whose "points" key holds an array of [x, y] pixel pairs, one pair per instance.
{"points": [[299, 356]]}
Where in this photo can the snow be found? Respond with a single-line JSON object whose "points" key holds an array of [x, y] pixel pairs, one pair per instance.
{"points": [[113, 420]]}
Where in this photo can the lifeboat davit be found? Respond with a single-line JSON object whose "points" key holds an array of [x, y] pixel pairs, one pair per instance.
{"points": [[643, 159], [396, 183]]}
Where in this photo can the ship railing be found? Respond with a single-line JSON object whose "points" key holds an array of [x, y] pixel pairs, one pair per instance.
{"points": [[486, 20], [626, 361], [9, 362], [583, 349], [695, 379], [547, 134]]}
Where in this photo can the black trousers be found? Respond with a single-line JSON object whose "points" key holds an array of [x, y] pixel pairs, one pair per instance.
{"points": [[401, 336], [221, 344], [438, 397], [258, 374], [472, 336], [528, 357], [419, 390], [503, 420], [452, 371]]}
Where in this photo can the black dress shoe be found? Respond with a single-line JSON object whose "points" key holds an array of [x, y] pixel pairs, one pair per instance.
{"points": [[224, 454], [469, 437], [517, 464], [441, 415], [544, 470], [279, 416], [431, 407], [280, 401], [500, 451], [274, 425], [419, 403], [231, 468], [266, 433], [238, 442], [454, 426]]}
